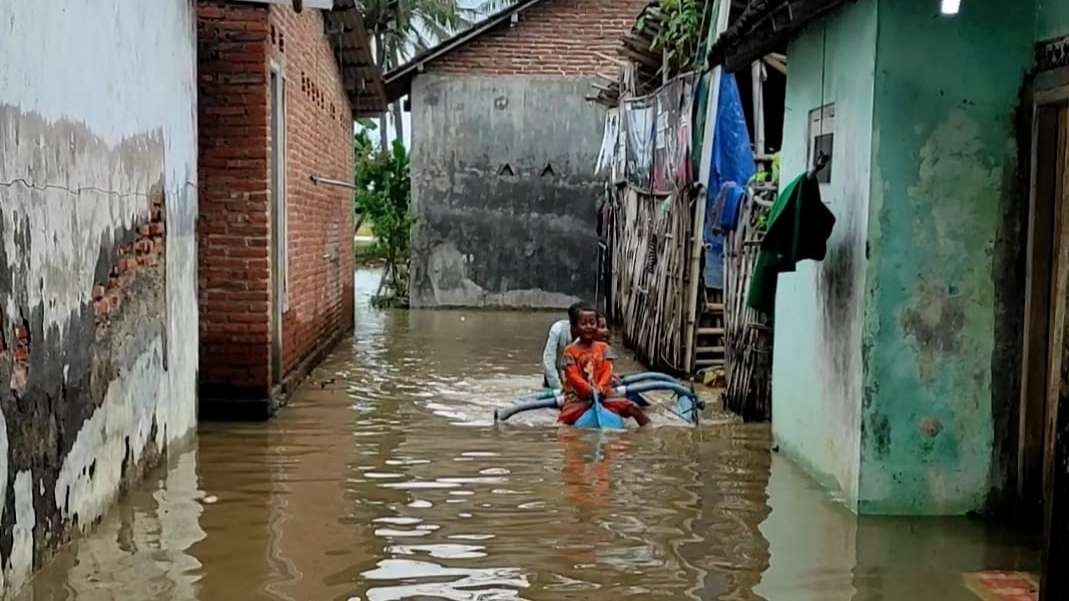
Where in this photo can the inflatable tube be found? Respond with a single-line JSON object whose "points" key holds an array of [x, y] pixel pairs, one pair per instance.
{"points": [[525, 405], [647, 377], [688, 405]]}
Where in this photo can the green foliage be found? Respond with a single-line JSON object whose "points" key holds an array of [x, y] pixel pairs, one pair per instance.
{"points": [[764, 176], [404, 27], [488, 7], [383, 195], [680, 33]]}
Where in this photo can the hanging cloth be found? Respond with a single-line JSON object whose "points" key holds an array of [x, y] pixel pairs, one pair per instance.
{"points": [[799, 225]]}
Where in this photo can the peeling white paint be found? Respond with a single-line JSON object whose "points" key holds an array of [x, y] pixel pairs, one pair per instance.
{"points": [[21, 563], [97, 106], [92, 472], [122, 70]]}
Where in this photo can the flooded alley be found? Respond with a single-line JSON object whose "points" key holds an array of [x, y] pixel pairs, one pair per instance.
{"points": [[386, 480]]}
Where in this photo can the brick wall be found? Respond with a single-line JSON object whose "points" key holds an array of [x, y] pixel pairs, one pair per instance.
{"points": [[555, 37], [233, 230], [238, 43], [320, 218]]}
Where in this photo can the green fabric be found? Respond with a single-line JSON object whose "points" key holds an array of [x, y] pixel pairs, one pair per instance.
{"points": [[798, 228]]}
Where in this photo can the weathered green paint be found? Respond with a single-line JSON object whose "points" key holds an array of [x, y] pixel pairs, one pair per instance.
{"points": [[1052, 19], [886, 351], [817, 375], [944, 107]]}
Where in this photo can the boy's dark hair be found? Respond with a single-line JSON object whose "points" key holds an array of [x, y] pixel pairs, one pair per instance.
{"points": [[576, 309], [573, 312], [602, 315]]}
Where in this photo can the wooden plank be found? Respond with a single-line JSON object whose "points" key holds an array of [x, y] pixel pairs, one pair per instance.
{"points": [[639, 57], [710, 331], [1055, 578], [610, 58], [703, 363], [1038, 297]]}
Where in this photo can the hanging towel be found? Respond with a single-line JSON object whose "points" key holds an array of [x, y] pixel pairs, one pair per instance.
{"points": [[734, 197], [798, 228]]}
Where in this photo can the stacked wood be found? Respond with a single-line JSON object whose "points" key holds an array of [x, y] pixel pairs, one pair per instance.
{"points": [[649, 240], [635, 50], [747, 335]]}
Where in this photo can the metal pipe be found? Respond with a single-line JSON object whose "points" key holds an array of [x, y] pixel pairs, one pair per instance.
{"points": [[332, 182]]}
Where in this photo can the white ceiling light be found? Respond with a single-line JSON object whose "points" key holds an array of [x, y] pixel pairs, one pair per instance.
{"points": [[951, 7]]}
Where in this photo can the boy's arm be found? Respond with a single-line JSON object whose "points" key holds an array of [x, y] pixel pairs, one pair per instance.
{"points": [[549, 359], [576, 381], [603, 375]]}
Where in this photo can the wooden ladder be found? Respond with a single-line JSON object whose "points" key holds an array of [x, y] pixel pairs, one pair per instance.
{"points": [[709, 337]]}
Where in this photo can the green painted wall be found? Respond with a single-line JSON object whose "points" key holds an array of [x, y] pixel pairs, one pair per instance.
{"points": [[944, 150], [1052, 19], [817, 373]]}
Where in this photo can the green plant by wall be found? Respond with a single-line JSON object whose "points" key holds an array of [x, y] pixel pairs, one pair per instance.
{"points": [[680, 33], [383, 196]]}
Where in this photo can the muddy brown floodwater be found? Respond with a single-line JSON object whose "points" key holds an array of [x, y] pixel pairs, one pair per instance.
{"points": [[385, 479]]}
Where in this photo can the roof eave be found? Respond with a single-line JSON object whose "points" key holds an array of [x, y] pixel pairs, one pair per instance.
{"points": [[352, 51], [764, 27]]}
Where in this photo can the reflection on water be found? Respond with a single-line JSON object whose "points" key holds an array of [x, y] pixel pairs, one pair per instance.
{"points": [[386, 480]]}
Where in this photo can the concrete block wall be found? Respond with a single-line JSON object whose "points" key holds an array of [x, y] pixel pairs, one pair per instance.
{"points": [[239, 45], [98, 309], [503, 153], [896, 357]]}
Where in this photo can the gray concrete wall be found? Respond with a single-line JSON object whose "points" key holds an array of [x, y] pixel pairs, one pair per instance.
{"points": [[483, 237], [97, 123]]}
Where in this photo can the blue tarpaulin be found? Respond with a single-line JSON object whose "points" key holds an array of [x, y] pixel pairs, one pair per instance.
{"points": [[732, 161]]}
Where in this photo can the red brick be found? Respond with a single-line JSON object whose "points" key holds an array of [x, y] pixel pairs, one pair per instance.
{"points": [[234, 230]]}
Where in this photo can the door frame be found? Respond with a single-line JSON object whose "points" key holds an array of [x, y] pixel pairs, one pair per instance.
{"points": [[1041, 237], [1051, 91], [279, 230]]}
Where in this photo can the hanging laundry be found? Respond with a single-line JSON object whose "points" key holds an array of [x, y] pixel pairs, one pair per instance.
{"points": [[671, 155], [731, 206], [681, 151], [799, 225], [640, 118], [608, 142]]}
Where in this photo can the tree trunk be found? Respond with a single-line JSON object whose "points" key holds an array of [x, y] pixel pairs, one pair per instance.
{"points": [[380, 51], [399, 127]]}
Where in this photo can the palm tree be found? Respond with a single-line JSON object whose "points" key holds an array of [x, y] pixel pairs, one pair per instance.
{"points": [[403, 28], [488, 7]]}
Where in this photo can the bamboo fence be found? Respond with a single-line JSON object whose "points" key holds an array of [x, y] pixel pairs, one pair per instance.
{"points": [[747, 333], [649, 238]]}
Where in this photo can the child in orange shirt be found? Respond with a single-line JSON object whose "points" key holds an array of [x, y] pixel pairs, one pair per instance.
{"points": [[588, 368]]}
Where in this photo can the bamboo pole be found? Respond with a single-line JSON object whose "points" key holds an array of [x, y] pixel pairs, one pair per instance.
{"points": [[705, 168]]}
